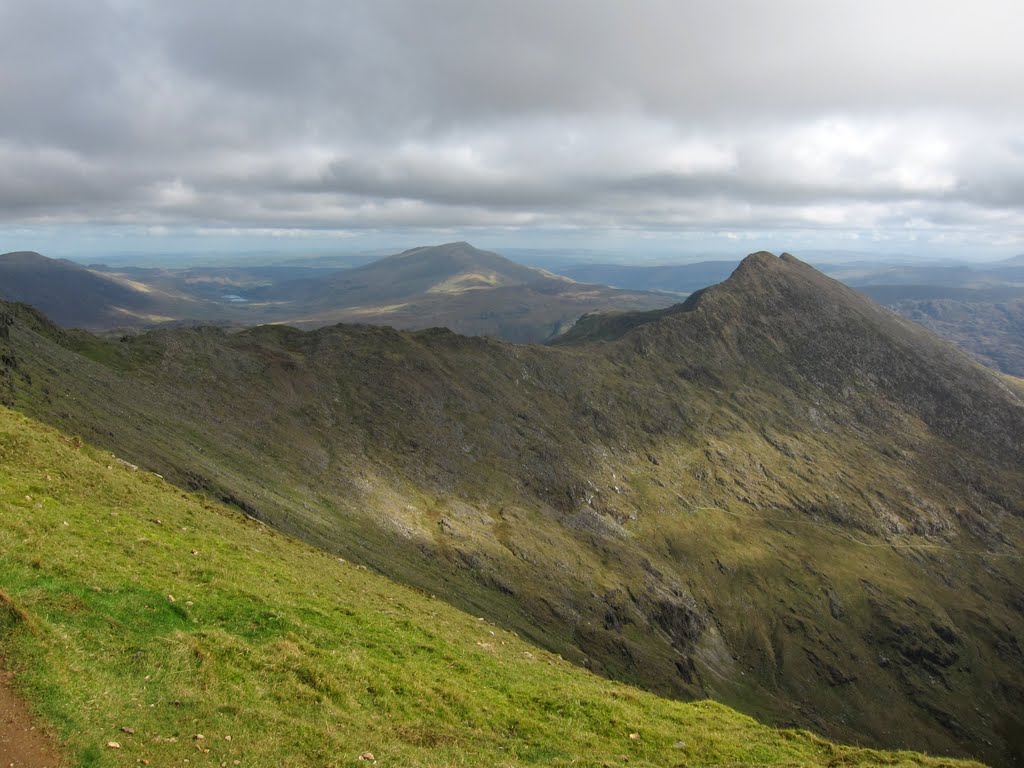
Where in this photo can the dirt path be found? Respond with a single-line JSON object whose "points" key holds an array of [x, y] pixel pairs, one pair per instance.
{"points": [[21, 744]]}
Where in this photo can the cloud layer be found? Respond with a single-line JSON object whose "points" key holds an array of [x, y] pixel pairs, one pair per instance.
{"points": [[855, 117]]}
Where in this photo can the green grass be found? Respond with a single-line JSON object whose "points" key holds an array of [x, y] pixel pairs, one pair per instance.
{"points": [[303, 660], [782, 499]]}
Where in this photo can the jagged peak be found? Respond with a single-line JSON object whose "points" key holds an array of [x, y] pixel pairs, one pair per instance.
{"points": [[761, 280]]}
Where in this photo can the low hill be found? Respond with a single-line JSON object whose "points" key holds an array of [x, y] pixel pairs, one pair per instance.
{"points": [[148, 626], [777, 494]]}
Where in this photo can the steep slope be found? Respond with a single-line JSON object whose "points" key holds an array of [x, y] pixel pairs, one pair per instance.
{"points": [[81, 297], [987, 323], [69, 293], [979, 307], [138, 615], [777, 493]]}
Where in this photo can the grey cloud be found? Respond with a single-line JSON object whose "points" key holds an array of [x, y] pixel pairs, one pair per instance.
{"points": [[649, 114]]}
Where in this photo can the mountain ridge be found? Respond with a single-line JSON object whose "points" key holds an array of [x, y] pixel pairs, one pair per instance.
{"points": [[457, 286], [69, 292], [762, 498], [454, 285]]}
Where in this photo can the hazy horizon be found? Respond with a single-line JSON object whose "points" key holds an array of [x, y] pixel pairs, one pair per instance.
{"points": [[538, 252]]}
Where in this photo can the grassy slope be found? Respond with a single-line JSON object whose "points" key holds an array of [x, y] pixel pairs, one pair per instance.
{"points": [[299, 658], [765, 506]]}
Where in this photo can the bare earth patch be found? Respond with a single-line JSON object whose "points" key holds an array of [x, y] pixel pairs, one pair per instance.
{"points": [[22, 745]]}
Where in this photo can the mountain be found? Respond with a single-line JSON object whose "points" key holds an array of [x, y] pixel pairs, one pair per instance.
{"points": [[987, 323], [776, 494], [69, 293], [147, 626], [455, 286], [448, 268], [979, 307], [476, 292]]}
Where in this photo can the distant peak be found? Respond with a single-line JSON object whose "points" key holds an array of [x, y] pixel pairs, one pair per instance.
{"points": [[459, 246]]}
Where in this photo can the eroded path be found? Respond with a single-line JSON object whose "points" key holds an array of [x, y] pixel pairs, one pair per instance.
{"points": [[22, 745]]}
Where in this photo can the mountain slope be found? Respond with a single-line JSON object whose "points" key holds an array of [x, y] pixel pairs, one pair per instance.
{"points": [[447, 268], [455, 286], [777, 494], [979, 307], [987, 323], [69, 293], [138, 615]]}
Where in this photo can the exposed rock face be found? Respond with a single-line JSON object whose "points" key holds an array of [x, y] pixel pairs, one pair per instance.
{"points": [[8, 363]]}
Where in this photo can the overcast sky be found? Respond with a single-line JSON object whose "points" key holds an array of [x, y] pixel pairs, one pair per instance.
{"points": [[893, 126]]}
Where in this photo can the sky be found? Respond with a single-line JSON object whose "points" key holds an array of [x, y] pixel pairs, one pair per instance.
{"points": [[640, 127]]}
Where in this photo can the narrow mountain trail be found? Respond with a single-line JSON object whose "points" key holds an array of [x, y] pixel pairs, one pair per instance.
{"points": [[22, 745]]}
